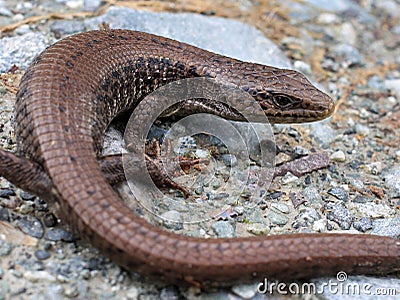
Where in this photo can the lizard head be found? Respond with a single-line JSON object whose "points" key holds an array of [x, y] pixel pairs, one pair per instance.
{"points": [[287, 96]]}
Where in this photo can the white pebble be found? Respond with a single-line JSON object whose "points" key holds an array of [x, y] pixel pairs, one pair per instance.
{"points": [[338, 156]]}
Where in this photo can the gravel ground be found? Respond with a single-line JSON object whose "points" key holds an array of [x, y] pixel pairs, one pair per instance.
{"points": [[349, 48]]}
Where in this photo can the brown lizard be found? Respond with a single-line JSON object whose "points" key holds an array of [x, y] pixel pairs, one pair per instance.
{"points": [[72, 91]]}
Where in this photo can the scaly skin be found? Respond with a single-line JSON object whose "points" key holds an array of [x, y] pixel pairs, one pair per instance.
{"points": [[73, 90]]}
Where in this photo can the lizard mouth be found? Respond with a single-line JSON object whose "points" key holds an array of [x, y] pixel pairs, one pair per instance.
{"points": [[301, 115]]}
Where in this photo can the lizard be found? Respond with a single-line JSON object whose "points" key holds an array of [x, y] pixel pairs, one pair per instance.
{"points": [[72, 91]]}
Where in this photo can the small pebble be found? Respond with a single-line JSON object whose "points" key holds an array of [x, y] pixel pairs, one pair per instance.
{"points": [[255, 216], [374, 210], [5, 248], [95, 263], [362, 130], [91, 5], [61, 27], [223, 229], [362, 199], [229, 160], [42, 254], [18, 291], [289, 178], [170, 293], [108, 295], [49, 220], [16, 273], [319, 225], [375, 168], [59, 234], [277, 218], [363, 225], [172, 219], [306, 218], [27, 207], [338, 156], [398, 154], [39, 276], [339, 193], [358, 184], [300, 151], [394, 85], [303, 67], [4, 214], [6, 193], [349, 55], [5, 12], [330, 65], [312, 194], [72, 291], [74, 4], [387, 227], [219, 196], [282, 158], [132, 293], [347, 34], [258, 229], [32, 227], [184, 145], [216, 184], [323, 133], [274, 195], [392, 181], [239, 210], [200, 153], [339, 214], [245, 291], [283, 208], [327, 18], [27, 196]]}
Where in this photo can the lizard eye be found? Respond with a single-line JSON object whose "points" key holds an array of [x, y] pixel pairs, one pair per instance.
{"points": [[283, 101]]}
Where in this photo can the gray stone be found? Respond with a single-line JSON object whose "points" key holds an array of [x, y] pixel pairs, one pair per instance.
{"points": [[219, 35], [172, 219], [258, 228], [20, 50], [392, 180], [339, 193], [306, 218], [245, 291], [5, 248], [311, 194], [62, 27], [277, 218], [333, 6], [323, 133], [229, 160], [91, 5], [349, 55], [31, 226], [170, 293], [339, 214], [394, 85], [387, 227], [223, 229], [338, 156], [363, 225]]}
